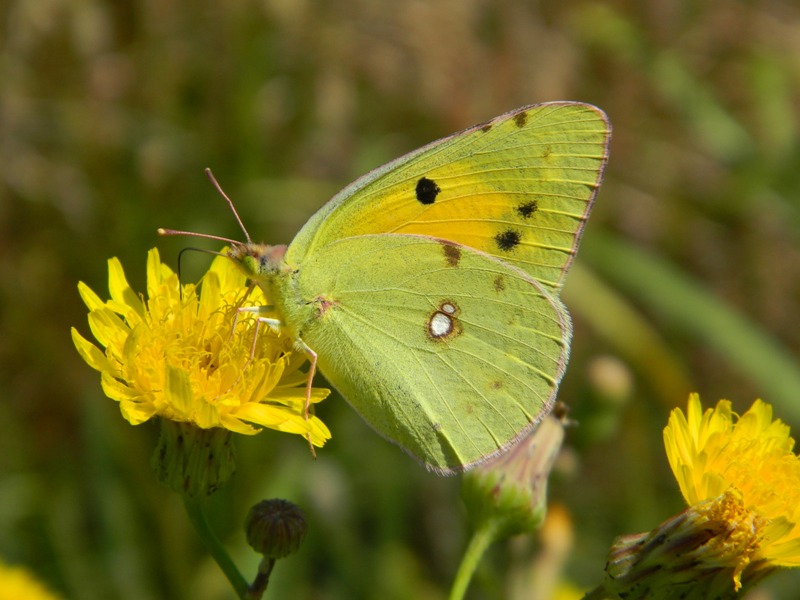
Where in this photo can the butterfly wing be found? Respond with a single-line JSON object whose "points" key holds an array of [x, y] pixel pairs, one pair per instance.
{"points": [[518, 187], [445, 350]]}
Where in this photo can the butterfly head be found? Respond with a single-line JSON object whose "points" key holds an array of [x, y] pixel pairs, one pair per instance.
{"points": [[258, 261]]}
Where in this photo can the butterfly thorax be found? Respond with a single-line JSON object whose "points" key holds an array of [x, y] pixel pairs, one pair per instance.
{"points": [[267, 267]]}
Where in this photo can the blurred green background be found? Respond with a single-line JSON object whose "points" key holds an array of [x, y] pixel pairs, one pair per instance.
{"points": [[688, 277]]}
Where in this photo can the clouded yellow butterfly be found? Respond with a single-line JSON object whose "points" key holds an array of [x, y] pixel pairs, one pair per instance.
{"points": [[427, 290]]}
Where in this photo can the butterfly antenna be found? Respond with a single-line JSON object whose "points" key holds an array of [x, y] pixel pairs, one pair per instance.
{"points": [[165, 232], [216, 184], [207, 236]]}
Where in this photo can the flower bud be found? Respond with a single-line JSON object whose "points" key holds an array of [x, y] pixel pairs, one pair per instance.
{"points": [[511, 490], [275, 528]]}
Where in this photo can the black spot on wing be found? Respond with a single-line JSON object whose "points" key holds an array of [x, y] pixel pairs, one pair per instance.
{"points": [[426, 191], [527, 209], [486, 128], [508, 240], [520, 119]]}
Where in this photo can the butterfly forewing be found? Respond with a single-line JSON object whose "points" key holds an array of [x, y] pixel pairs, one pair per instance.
{"points": [[518, 187]]}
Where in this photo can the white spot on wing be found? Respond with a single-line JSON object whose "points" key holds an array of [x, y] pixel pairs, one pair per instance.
{"points": [[441, 324], [444, 324]]}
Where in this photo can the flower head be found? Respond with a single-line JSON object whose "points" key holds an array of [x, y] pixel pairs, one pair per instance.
{"points": [[194, 357], [714, 455], [741, 480]]}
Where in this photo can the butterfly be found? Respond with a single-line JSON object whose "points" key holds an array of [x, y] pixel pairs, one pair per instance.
{"points": [[427, 290]]}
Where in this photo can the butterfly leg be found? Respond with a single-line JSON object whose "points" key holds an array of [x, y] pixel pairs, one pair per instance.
{"points": [[275, 325], [312, 358], [312, 369]]}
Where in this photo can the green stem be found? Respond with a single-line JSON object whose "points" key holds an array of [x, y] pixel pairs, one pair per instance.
{"points": [[481, 540], [259, 585], [197, 516]]}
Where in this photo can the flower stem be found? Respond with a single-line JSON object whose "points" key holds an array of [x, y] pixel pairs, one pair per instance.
{"points": [[259, 585], [197, 516], [481, 540]]}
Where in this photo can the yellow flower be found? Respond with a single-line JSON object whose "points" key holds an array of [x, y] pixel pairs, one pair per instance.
{"points": [[741, 480], [742, 473], [192, 358], [17, 583]]}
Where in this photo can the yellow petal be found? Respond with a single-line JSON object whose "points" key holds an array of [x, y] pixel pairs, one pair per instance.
{"points": [[296, 396], [137, 413], [178, 390], [117, 390], [89, 352], [107, 327], [162, 282], [210, 295], [319, 432], [230, 276], [119, 288], [90, 299], [273, 417], [134, 407], [237, 425]]}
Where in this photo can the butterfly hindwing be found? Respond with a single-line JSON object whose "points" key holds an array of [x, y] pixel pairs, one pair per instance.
{"points": [[445, 350], [518, 187]]}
